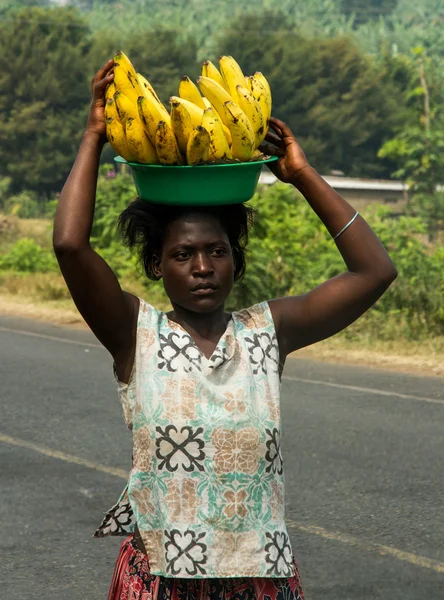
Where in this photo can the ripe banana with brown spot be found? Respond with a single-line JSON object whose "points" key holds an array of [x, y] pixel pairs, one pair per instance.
{"points": [[262, 79], [189, 91], [253, 111], [198, 148], [232, 75], [125, 77], [258, 90], [166, 145], [219, 147], [150, 113], [125, 107], [111, 109], [147, 87], [210, 70], [195, 112], [216, 94], [242, 134], [181, 123], [110, 90], [138, 143], [117, 138]]}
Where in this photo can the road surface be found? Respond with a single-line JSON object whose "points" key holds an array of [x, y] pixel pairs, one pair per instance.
{"points": [[363, 452]]}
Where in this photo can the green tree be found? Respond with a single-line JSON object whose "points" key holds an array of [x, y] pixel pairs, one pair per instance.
{"points": [[45, 94], [418, 147], [364, 11]]}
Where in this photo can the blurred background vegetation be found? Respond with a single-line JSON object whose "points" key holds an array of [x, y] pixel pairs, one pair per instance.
{"points": [[360, 82]]}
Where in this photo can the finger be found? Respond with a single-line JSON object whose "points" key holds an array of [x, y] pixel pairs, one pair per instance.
{"points": [[100, 86], [281, 127], [101, 73], [272, 150], [273, 138]]}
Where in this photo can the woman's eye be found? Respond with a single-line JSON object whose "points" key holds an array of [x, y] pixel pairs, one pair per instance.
{"points": [[182, 256], [219, 251]]}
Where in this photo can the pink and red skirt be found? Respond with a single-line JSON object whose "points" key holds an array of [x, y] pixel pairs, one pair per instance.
{"points": [[132, 580]]}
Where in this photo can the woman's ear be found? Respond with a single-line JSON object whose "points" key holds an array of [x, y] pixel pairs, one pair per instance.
{"points": [[157, 269]]}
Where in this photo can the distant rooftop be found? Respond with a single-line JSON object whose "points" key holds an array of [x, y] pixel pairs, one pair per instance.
{"points": [[348, 183]]}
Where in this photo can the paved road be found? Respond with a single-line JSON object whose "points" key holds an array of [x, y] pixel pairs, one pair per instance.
{"points": [[363, 449]]}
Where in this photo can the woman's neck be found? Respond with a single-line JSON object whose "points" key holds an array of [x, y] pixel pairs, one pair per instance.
{"points": [[205, 325]]}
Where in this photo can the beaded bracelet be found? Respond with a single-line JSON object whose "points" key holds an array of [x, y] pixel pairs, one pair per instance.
{"points": [[346, 227]]}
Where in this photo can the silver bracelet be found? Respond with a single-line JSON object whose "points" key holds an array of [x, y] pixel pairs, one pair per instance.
{"points": [[346, 227]]}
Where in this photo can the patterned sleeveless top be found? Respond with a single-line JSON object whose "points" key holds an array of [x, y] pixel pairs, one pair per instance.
{"points": [[207, 484]]}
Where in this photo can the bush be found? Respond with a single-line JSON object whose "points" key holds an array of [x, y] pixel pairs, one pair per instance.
{"points": [[25, 256]]}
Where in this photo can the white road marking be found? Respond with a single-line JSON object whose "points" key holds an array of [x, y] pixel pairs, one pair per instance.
{"points": [[53, 338], [402, 555], [69, 458], [356, 388]]}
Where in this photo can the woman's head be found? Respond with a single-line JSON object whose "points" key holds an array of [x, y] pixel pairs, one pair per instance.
{"points": [[198, 251]]}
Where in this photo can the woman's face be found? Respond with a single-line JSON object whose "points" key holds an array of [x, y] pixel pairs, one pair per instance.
{"points": [[197, 263]]}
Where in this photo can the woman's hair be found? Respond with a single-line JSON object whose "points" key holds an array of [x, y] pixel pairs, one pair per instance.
{"points": [[143, 226]]}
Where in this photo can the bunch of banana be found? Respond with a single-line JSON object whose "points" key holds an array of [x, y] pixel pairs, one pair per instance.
{"points": [[126, 128], [225, 121]]}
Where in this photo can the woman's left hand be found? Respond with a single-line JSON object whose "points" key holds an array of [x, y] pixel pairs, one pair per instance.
{"points": [[292, 159]]}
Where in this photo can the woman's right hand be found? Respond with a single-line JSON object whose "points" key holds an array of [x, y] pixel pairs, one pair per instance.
{"points": [[96, 118]]}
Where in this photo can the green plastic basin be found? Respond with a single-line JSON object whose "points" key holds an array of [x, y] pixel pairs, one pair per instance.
{"points": [[196, 185]]}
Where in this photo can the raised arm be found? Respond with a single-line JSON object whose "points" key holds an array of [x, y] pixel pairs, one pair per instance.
{"points": [[333, 305], [109, 311]]}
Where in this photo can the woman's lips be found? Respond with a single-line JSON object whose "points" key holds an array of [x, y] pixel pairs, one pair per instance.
{"points": [[204, 291]]}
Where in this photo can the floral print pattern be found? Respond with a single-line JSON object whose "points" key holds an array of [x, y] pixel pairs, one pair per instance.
{"points": [[236, 450], [206, 487]]}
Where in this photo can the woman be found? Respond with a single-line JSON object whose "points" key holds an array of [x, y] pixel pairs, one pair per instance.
{"points": [[200, 387]]}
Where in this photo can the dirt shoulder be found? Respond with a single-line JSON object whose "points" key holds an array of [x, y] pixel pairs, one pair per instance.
{"points": [[418, 358]]}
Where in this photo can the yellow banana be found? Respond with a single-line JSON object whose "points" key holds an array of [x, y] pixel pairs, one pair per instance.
{"points": [[260, 93], [150, 113], [147, 87], [116, 137], [125, 77], [194, 111], [111, 109], [181, 124], [189, 91], [211, 71], [110, 90], [125, 107], [260, 77], [166, 145], [226, 130], [198, 149], [219, 148], [253, 111], [242, 133], [232, 75], [216, 94], [138, 143]]}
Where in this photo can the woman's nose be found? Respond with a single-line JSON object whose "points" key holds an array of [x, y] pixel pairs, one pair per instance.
{"points": [[202, 265]]}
